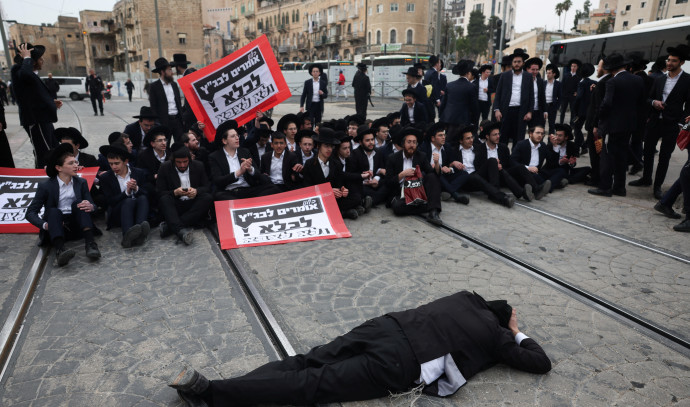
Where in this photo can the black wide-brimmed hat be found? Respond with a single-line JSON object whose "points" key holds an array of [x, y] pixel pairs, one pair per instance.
{"points": [[342, 136], [362, 130], [381, 121], [312, 66], [486, 130], [554, 69], [357, 118], [615, 61], [462, 67], [586, 70], [146, 113], [72, 134], [117, 149], [681, 51], [639, 62], [433, 60], [156, 130], [161, 65], [533, 61], [267, 120], [411, 131], [500, 308], [410, 92], [222, 129], [54, 156], [288, 118], [180, 60], [575, 61], [304, 133], [260, 132], [412, 71], [116, 135], [37, 51], [435, 128], [362, 66], [519, 52], [506, 60], [564, 128], [326, 136]]}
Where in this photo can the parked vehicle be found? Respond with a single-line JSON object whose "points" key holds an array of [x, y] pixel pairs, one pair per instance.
{"points": [[73, 87]]}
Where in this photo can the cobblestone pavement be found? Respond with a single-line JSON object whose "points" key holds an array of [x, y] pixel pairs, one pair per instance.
{"points": [[396, 263]]}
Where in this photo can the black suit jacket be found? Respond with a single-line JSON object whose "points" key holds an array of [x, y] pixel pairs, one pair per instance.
{"points": [[557, 94], [394, 166], [504, 90], [447, 153], [481, 155], [541, 94], [88, 160], [308, 92], [553, 157], [583, 99], [148, 161], [433, 78], [522, 153], [360, 161], [678, 101], [361, 84], [36, 105], [460, 104], [463, 326], [111, 187], [169, 180], [159, 102], [220, 169], [313, 175], [595, 103], [420, 114], [289, 161], [254, 151], [623, 102], [133, 130], [570, 82]]}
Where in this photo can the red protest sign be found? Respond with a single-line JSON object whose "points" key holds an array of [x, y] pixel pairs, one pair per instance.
{"points": [[17, 189], [304, 214], [236, 86]]}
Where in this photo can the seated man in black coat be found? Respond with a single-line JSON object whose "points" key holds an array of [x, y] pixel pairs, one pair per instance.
{"points": [[531, 154], [324, 167], [233, 172], [562, 153], [352, 176], [434, 348], [367, 158], [156, 151], [72, 136], [68, 205], [277, 164], [401, 166], [125, 193], [190, 139], [137, 131], [184, 195], [441, 156], [412, 111]]}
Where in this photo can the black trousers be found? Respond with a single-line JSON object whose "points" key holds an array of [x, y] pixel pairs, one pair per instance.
{"points": [[67, 226], [368, 362], [175, 124], [6, 159], [577, 174], [553, 112], [667, 131], [361, 102], [682, 185], [246, 192], [484, 107], [567, 102], [129, 212], [129, 93], [96, 97], [523, 176], [594, 159], [537, 119], [454, 181], [579, 137], [512, 126], [486, 179], [316, 112], [614, 162], [180, 214], [432, 187], [42, 137], [378, 195]]}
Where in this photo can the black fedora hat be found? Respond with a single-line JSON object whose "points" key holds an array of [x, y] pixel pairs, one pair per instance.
{"points": [[161, 65], [326, 136], [554, 69], [312, 66], [615, 61], [586, 70], [462, 67], [411, 131], [564, 128], [343, 136], [362, 66], [116, 135], [285, 120], [575, 61], [267, 120], [362, 130], [117, 149], [681, 51], [486, 130], [412, 71], [156, 130], [533, 61], [180, 60], [72, 134], [410, 92], [262, 132], [146, 113], [304, 133], [54, 156], [435, 128], [506, 60], [639, 62], [37, 51], [519, 52], [222, 129]]}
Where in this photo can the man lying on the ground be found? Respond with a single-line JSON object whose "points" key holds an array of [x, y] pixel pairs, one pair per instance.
{"points": [[434, 348]]}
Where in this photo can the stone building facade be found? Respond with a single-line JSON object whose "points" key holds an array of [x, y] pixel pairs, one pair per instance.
{"points": [[100, 46], [633, 12]]}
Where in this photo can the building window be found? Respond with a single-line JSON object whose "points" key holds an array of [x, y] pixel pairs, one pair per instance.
{"points": [[107, 47], [379, 8], [410, 36], [606, 5], [182, 38], [410, 7], [499, 8], [640, 20], [242, 8], [681, 2], [369, 42], [625, 24], [393, 36], [643, 4], [370, 11], [627, 7], [394, 7], [378, 37], [479, 7]]}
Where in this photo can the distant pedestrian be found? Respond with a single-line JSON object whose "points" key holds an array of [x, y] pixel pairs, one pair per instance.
{"points": [[362, 86], [130, 88], [314, 92], [95, 87], [3, 93], [53, 86], [146, 87], [341, 87]]}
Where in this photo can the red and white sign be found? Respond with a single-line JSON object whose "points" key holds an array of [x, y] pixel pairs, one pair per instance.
{"points": [[304, 214], [236, 86], [17, 189]]}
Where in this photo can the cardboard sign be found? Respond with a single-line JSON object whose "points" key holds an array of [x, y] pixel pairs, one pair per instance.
{"points": [[236, 86], [18, 187], [304, 214]]}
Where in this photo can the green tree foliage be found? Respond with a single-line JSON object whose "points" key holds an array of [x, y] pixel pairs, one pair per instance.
{"points": [[476, 41], [605, 26]]}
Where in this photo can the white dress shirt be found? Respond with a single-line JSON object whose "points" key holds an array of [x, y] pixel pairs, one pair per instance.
{"points": [[483, 84], [536, 94], [67, 196], [410, 112], [468, 159], [306, 157], [184, 182], [370, 159], [534, 157], [277, 169], [123, 182], [234, 163], [549, 91], [170, 96], [492, 152], [516, 89], [440, 155], [291, 146], [560, 150], [261, 150], [161, 159], [324, 167], [315, 96], [669, 85]]}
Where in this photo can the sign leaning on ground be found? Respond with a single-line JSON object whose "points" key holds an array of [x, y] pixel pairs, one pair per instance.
{"points": [[304, 214], [17, 189], [236, 86]]}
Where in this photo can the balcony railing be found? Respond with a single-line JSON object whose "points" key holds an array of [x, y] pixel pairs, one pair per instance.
{"points": [[284, 49], [341, 15], [250, 34], [354, 13]]}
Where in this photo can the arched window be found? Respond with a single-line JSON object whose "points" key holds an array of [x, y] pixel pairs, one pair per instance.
{"points": [[378, 36], [369, 42], [410, 36], [393, 36]]}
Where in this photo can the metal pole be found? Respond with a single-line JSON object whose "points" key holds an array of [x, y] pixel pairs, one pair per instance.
{"points": [[4, 42], [437, 30], [158, 30], [499, 57], [492, 51], [124, 39]]}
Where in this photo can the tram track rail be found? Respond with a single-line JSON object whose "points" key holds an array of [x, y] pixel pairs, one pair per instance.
{"points": [[633, 319]]}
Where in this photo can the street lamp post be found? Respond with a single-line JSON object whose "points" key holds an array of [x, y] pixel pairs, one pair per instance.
{"points": [[124, 40], [4, 39]]}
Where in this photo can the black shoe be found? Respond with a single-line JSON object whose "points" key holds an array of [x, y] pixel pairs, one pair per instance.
{"points": [[642, 182], [600, 192], [657, 193], [189, 381], [528, 194], [145, 229], [92, 251], [130, 236], [667, 211], [186, 236], [95, 114], [360, 210], [367, 202], [63, 256], [635, 169], [351, 214], [445, 196], [164, 230], [508, 201], [564, 182], [543, 190], [683, 226], [619, 192], [583, 151], [592, 183], [461, 198], [434, 218]]}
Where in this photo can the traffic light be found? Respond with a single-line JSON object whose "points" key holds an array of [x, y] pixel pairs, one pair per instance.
{"points": [[498, 31], [147, 64]]}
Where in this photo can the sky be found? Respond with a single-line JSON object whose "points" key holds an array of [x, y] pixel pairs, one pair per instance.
{"points": [[530, 13]]}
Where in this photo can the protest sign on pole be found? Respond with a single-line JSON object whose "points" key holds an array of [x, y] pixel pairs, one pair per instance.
{"points": [[304, 214], [17, 189], [236, 86]]}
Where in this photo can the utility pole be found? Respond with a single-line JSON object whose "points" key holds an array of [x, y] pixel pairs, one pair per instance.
{"points": [[124, 40], [492, 50], [437, 30], [4, 42], [499, 57], [158, 30]]}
